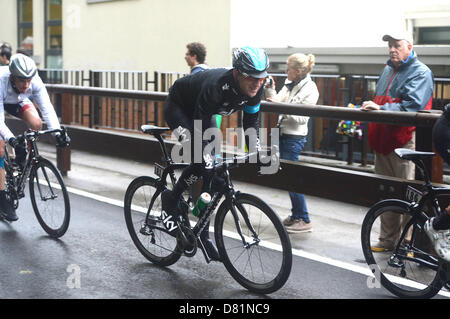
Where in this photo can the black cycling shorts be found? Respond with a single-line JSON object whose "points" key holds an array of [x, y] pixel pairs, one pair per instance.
{"points": [[441, 138], [18, 109]]}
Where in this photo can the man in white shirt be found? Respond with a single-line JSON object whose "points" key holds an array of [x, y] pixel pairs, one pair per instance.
{"points": [[19, 86]]}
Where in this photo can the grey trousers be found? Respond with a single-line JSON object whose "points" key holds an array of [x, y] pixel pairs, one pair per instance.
{"points": [[391, 165]]}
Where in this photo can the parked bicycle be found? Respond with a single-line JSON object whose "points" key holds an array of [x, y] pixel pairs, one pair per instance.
{"points": [[411, 269], [47, 190], [252, 241]]}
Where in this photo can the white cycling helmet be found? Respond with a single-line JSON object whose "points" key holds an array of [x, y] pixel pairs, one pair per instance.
{"points": [[22, 66]]}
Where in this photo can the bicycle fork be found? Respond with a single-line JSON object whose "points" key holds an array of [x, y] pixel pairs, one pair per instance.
{"points": [[237, 222]]}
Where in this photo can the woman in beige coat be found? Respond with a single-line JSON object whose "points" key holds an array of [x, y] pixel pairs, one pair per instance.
{"points": [[298, 89]]}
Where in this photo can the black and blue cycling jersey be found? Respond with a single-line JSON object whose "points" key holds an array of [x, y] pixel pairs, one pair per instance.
{"points": [[213, 91]]}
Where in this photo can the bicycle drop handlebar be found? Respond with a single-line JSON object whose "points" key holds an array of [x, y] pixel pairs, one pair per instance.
{"points": [[31, 133]]}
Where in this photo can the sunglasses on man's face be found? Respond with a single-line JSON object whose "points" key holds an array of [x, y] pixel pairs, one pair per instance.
{"points": [[249, 77]]}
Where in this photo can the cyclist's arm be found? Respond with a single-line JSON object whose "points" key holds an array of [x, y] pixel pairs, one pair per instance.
{"points": [[250, 123], [5, 132], [41, 97]]}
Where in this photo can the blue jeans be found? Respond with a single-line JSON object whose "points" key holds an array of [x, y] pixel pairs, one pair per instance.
{"points": [[290, 149]]}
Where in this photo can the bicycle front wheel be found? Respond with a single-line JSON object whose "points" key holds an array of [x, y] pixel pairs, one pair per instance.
{"points": [[146, 230], [49, 198], [407, 267], [262, 263]]}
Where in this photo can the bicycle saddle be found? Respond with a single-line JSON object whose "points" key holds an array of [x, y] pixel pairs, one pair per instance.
{"points": [[151, 129], [408, 154]]}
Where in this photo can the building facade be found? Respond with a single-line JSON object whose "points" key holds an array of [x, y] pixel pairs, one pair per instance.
{"points": [[118, 34], [146, 35]]}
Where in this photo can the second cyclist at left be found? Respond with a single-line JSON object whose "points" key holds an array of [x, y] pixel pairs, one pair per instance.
{"points": [[20, 89]]}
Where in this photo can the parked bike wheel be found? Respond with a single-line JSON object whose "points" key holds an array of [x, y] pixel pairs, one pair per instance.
{"points": [[49, 198], [401, 271], [152, 242], [264, 264]]}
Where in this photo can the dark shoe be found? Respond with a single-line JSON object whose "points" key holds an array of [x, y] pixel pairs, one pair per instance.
{"points": [[7, 210], [170, 211]]}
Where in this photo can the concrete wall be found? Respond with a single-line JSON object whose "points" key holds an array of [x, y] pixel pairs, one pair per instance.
{"points": [[144, 35], [8, 31], [39, 32]]}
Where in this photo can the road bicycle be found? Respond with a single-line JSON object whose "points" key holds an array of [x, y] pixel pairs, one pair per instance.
{"points": [[411, 269], [251, 239], [47, 190]]}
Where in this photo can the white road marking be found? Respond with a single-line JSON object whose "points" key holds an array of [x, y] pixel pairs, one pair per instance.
{"points": [[297, 252]]}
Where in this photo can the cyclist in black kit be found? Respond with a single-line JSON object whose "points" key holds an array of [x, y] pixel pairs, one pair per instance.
{"points": [[438, 228], [198, 97]]}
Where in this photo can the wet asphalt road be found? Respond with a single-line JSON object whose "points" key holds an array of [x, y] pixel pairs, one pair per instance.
{"points": [[97, 247]]}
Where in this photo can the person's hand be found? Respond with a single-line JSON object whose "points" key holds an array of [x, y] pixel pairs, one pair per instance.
{"points": [[13, 142], [269, 83], [369, 106], [62, 140]]}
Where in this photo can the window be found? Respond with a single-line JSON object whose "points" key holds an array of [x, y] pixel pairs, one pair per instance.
{"points": [[433, 35], [53, 34], [25, 26]]}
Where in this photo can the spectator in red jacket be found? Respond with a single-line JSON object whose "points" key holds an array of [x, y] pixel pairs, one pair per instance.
{"points": [[405, 85]]}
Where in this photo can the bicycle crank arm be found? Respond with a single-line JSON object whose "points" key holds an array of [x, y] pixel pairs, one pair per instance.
{"points": [[44, 199], [203, 249]]}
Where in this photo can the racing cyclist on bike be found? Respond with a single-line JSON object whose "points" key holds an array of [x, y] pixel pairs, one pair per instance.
{"points": [[19, 86], [438, 228], [198, 97]]}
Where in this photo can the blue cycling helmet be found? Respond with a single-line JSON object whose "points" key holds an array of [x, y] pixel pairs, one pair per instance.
{"points": [[250, 61]]}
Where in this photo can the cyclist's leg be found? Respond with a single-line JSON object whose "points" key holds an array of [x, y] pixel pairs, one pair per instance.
{"points": [[26, 111], [30, 115], [6, 207], [2, 164], [438, 228], [441, 141]]}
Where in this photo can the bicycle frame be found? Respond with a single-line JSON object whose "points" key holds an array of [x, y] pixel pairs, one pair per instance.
{"points": [[16, 183], [431, 194], [227, 191]]}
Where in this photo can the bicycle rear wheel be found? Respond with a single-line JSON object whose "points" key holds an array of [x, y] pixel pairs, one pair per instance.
{"points": [[263, 265], [152, 242], [49, 198], [411, 271]]}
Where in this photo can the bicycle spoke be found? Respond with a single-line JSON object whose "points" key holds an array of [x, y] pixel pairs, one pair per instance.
{"points": [[158, 247], [49, 198], [258, 263], [409, 271]]}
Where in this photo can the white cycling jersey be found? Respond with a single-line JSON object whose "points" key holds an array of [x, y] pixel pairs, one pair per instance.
{"points": [[39, 95]]}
